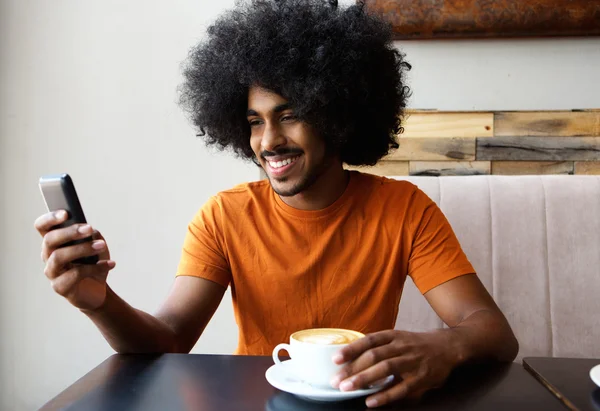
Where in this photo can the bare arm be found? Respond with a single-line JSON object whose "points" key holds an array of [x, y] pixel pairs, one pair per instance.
{"points": [[174, 328], [422, 361], [478, 329]]}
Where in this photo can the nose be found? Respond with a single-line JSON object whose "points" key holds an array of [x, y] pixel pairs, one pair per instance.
{"points": [[272, 137]]}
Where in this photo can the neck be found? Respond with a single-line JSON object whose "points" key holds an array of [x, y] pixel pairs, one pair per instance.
{"points": [[325, 191]]}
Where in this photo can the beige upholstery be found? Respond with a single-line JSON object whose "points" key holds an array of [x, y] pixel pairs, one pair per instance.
{"points": [[535, 243]]}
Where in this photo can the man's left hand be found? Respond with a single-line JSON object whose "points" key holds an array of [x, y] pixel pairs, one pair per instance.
{"points": [[418, 361]]}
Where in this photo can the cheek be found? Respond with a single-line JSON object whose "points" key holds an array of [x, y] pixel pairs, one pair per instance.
{"points": [[255, 144], [308, 140], [316, 148], [315, 140]]}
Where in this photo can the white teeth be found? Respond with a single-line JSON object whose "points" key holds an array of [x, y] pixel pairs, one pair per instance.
{"points": [[279, 164]]}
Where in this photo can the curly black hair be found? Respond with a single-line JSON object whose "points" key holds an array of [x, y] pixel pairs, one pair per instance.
{"points": [[337, 67]]}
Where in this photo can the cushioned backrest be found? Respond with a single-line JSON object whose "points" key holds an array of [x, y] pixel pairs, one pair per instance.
{"points": [[535, 244]]}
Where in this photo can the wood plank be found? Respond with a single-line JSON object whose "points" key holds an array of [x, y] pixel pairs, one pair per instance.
{"points": [[587, 167], [435, 149], [426, 19], [384, 168], [449, 168], [511, 168], [538, 149], [550, 123], [435, 110], [440, 124]]}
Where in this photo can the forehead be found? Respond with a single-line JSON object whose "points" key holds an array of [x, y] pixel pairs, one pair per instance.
{"points": [[263, 100]]}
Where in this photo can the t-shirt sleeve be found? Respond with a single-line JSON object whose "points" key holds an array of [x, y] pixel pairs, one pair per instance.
{"points": [[436, 255], [204, 252]]}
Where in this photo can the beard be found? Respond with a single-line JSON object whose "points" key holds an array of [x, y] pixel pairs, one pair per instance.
{"points": [[305, 182]]}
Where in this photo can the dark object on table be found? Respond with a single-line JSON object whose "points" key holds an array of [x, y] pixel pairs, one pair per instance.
{"points": [[596, 399], [568, 379]]}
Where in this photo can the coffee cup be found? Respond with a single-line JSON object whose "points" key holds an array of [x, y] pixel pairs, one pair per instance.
{"points": [[311, 353]]}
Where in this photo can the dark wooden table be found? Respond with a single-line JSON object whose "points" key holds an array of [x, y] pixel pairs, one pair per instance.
{"points": [[568, 379], [230, 383]]}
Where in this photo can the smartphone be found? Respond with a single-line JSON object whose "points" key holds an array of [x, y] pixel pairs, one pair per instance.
{"points": [[59, 193]]}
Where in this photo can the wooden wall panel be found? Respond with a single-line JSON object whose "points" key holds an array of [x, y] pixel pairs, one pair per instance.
{"points": [[434, 149], [559, 124], [426, 19], [532, 167], [587, 167], [516, 143], [385, 168], [449, 168], [419, 125], [539, 148]]}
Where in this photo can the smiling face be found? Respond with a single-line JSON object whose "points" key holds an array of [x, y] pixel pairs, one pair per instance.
{"points": [[288, 149]]}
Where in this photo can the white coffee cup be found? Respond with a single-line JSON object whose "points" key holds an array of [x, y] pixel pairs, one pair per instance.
{"points": [[311, 353]]}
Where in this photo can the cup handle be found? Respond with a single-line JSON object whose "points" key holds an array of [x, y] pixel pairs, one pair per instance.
{"points": [[280, 347]]}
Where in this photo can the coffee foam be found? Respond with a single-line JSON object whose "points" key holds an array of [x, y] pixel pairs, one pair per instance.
{"points": [[327, 336]]}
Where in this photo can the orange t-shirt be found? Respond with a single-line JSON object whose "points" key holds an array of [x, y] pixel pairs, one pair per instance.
{"points": [[343, 266]]}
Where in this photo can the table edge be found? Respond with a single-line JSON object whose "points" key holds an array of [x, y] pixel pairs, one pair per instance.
{"points": [[78, 389], [553, 390]]}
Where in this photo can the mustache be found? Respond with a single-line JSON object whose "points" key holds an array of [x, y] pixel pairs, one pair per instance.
{"points": [[281, 152]]}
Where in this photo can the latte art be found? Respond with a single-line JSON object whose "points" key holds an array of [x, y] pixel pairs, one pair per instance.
{"points": [[327, 336]]}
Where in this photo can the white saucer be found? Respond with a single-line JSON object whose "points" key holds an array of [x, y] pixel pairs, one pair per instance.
{"points": [[280, 377], [595, 374]]}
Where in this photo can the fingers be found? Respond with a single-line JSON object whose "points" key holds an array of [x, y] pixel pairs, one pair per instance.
{"points": [[355, 349], [96, 235], [45, 222], [67, 283], [371, 358], [107, 264], [104, 254], [370, 368], [61, 257], [395, 392], [57, 238]]}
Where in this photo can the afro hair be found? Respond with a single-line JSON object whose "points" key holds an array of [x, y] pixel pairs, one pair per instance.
{"points": [[336, 66]]}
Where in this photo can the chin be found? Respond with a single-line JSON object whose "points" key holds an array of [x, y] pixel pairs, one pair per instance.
{"points": [[286, 188], [290, 187]]}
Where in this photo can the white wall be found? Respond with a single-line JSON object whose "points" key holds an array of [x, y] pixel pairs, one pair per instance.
{"points": [[88, 87], [522, 74]]}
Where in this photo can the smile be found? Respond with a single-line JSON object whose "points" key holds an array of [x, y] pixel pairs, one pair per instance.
{"points": [[283, 163], [281, 168]]}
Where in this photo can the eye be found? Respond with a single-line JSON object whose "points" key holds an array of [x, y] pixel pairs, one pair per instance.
{"points": [[254, 122], [289, 117]]}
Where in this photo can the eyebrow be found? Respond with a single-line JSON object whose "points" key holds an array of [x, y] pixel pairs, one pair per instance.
{"points": [[277, 109]]}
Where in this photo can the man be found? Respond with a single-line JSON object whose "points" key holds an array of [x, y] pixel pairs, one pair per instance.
{"points": [[302, 87]]}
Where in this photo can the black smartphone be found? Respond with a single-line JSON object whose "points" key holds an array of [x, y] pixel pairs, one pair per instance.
{"points": [[59, 193]]}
